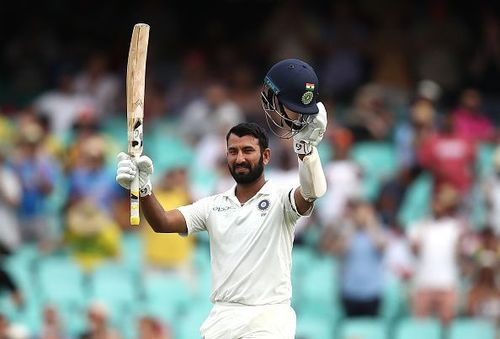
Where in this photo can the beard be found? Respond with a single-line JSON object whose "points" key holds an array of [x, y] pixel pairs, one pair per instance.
{"points": [[253, 174]]}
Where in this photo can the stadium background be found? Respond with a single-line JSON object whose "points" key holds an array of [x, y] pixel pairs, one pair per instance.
{"points": [[62, 71]]}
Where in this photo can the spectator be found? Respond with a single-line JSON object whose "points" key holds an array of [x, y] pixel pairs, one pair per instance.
{"points": [[62, 104], [215, 111], [344, 177], [97, 82], [152, 328], [37, 173], [437, 242], [90, 178], [410, 134], [91, 236], [483, 298], [10, 198], [190, 84], [450, 159], [359, 240], [343, 62], [52, 326], [98, 323], [4, 325], [7, 282], [369, 117], [469, 121], [173, 191]]}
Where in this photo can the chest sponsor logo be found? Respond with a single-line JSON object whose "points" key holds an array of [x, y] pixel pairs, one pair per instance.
{"points": [[222, 208]]}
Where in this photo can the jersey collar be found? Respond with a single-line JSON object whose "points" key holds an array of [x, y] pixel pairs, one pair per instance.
{"points": [[265, 190]]}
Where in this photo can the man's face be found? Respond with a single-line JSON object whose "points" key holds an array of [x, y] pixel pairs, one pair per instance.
{"points": [[244, 158]]}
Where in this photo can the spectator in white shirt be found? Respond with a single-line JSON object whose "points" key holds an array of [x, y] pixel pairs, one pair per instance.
{"points": [[436, 243]]}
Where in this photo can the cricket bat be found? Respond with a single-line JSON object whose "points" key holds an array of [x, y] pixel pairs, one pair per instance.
{"points": [[136, 78]]}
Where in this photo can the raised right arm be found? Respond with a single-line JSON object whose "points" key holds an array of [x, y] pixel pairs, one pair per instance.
{"points": [[162, 221]]}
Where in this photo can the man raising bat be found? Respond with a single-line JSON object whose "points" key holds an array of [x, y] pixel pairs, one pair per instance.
{"points": [[251, 226]]}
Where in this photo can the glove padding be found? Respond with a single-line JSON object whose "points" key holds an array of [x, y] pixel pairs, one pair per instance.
{"points": [[312, 133], [127, 169]]}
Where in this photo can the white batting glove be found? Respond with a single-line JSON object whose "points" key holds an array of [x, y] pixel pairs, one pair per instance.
{"points": [[311, 135], [127, 169]]}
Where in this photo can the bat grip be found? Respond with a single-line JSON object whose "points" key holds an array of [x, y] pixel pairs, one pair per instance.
{"points": [[134, 201]]}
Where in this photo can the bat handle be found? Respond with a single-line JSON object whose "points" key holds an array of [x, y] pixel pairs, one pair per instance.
{"points": [[134, 201]]}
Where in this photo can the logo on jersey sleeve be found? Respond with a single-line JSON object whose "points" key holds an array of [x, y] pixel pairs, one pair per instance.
{"points": [[263, 205]]}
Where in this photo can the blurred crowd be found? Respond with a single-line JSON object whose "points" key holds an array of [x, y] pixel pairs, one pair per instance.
{"points": [[418, 81]]}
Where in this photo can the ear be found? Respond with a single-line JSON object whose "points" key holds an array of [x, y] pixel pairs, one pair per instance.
{"points": [[266, 156]]}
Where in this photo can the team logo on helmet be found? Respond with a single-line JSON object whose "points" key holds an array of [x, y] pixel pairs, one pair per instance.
{"points": [[263, 204], [307, 97]]}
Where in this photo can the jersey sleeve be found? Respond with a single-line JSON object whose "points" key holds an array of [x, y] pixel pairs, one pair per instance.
{"points": [[291, 213], [196, 215]]}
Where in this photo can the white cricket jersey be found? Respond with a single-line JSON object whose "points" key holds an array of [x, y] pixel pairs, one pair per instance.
{"points": [[250, 244]]}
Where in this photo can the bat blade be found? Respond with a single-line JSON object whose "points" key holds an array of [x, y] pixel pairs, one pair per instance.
{"points": [[136, 82]]}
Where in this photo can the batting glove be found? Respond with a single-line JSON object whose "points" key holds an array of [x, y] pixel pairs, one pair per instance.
{"points": [[127, 169], [311, 135]]}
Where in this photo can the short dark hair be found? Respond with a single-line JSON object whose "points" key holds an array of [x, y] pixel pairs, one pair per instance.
{"points": [[250, 128]]}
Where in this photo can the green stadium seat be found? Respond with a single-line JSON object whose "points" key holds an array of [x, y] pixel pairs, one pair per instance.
{"points": [[394, 300], [166, 295], [311, 327], [411, 328], [467, 328], [114, 285], [132, 252], [363, 328], [484, 159], [416, 204], [378, 160], [61, 281], [188, 325]]}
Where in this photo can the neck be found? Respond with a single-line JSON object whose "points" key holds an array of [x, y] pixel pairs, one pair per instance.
{"points": [[245, 192]]}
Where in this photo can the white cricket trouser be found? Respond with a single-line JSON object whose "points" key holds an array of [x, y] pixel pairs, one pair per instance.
{"points": [[236, 321]]}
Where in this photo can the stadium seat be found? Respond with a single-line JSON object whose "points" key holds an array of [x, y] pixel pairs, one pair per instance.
{"points": [[60, 281], [467, 328], [378, 160], [411, 328], [416, 203], [114, 286], [167, 295], [132, 252], [320, 279], [394, 301], [484, 159], [311, 327], [315, 291], [188, 325], [363, 328]]}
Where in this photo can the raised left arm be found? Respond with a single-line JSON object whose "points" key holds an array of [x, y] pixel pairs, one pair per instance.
{"points": [[311, 176]]}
